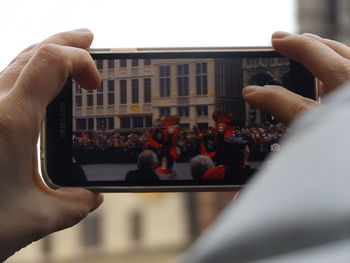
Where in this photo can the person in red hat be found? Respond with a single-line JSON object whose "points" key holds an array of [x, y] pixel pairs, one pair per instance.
{"points": [[162, 139], [155, 138], [232, 152], [223, 131]]}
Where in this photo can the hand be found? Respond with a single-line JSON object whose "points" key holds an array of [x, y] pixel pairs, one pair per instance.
{"points": [[328, 60], [29, 209]]}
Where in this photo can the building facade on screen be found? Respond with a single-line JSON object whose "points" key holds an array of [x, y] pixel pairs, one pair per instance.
{"points": [[134, 93]]}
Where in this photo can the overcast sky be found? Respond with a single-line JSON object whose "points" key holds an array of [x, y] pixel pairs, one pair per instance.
{"points": [[145, 23]]}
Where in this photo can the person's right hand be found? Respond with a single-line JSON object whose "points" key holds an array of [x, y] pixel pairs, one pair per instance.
{"points": [[328, 60]]}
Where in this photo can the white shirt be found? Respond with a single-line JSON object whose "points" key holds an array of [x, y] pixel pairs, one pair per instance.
{"points": [[297, 208]]}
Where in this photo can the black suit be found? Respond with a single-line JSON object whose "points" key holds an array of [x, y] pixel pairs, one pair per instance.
{"points": [[141, 176]]}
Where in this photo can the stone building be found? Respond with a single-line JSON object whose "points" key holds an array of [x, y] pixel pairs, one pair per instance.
{"points": [[134, 93], [127, 226], [263, 71], [327, 18], [195, 88], [121, 103]]}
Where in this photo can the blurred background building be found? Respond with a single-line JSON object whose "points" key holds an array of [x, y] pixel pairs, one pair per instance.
{"points": [[327, 18], [149, 227], [157, 227]]}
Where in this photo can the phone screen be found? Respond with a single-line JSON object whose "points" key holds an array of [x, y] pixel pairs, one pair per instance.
{"points": [[175, 120]]}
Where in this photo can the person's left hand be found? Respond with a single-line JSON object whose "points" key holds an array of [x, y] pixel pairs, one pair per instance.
{"points": [[29, 209]]}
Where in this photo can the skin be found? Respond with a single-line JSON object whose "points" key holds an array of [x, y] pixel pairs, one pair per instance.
{"points": [[328, 60], [29, 210]]}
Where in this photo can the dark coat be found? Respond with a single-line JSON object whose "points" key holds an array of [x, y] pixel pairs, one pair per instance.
{"points": [[141, 176]]}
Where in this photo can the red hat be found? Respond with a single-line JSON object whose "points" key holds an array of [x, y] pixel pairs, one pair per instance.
{"points": [[223, 117], [170, 120]]}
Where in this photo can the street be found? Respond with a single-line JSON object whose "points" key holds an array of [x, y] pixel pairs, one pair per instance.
{"points": [[117, 172]]}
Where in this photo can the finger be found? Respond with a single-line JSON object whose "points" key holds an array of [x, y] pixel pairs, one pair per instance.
{"points": [[87, 200], [10, 74], [47, 71], [92, 200], [321, 88], [69, 213], [325, 63], [278, 101], [80, 38], [65, 207], [73, 194], [20, 56], [338, 47]]}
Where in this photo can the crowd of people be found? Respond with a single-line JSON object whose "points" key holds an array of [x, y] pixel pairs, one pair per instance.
{"points": [[91, 147]]}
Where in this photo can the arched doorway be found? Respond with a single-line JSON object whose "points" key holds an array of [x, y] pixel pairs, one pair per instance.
{"points": [[253, 115]]}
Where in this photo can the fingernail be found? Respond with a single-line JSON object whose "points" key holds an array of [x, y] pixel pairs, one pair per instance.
{"points": [[82, 30], [280, 34], [101, 198], [312, 36], [250, 90], [99, 201]]}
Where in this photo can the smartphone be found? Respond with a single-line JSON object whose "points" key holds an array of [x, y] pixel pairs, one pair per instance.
{"points": [[167, 120]]}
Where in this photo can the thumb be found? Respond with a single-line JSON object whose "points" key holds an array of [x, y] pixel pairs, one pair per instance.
{"points": [[64, 206], [71, 205], [278, 101]]}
